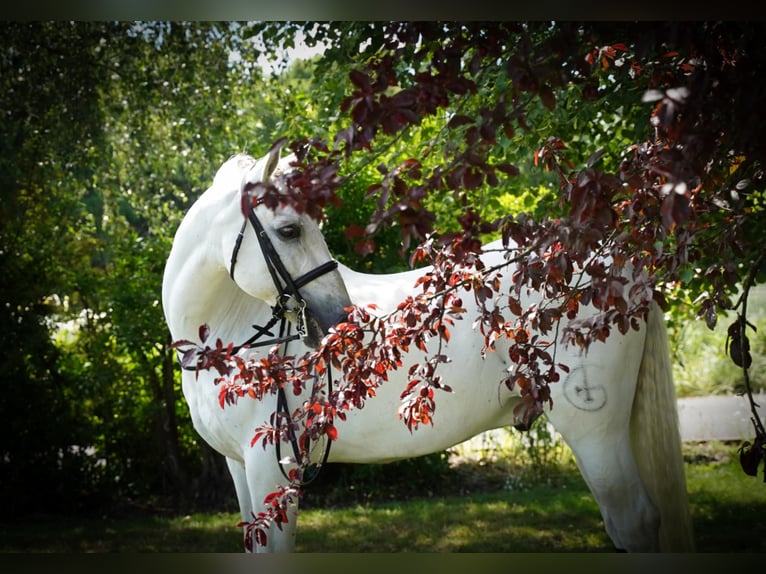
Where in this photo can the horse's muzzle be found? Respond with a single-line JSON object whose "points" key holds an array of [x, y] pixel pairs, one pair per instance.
{"points": [[318, 325]]}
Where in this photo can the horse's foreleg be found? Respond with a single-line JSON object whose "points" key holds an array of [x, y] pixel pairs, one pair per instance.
{"points": [[237, 471], [263, 478]]}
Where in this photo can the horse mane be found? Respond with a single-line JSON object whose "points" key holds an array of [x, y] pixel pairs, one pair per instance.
{"points": [[239, 304], [234, 167]]}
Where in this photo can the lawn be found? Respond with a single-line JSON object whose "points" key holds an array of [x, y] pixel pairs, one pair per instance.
{"points": [[728, 509]]}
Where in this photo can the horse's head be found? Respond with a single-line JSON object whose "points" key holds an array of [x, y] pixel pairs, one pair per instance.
{"points": [[279, 255]]}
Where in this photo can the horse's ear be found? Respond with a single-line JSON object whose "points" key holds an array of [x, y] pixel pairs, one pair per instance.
{"points": [[272, 159]]}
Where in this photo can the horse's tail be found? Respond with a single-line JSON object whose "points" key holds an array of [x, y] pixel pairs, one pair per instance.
{"points": [[656, 438]]}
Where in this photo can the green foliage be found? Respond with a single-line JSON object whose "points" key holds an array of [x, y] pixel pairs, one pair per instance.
{"points": [[113, 130], [51, 117], [701, 365], [356, 209], [536, 456]]}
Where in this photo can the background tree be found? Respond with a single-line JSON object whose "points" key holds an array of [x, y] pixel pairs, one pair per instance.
{"points": [[48, 123], [112, 131]]}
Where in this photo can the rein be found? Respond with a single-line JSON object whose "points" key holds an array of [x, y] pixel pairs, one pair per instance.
{"points": [[282, 409], [288, 293]]}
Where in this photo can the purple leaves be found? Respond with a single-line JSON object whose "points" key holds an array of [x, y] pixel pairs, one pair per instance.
{"points": [[196, 356]]}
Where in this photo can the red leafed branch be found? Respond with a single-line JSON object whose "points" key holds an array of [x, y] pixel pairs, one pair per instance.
{"points": [[680, 205]]}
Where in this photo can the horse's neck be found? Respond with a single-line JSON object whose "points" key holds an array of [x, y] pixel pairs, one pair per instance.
{"points": [[225, 309], [197, 287]]}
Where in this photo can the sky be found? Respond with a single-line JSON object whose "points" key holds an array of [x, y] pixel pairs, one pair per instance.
{"points": [[300, 52]]}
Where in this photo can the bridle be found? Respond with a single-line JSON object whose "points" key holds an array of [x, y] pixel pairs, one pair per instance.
{"points": [[289, 300], [289, 291]]}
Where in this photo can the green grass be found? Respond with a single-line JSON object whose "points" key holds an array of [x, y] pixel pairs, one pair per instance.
{"points": [[538, 520], [215, 532], [728, 509]]}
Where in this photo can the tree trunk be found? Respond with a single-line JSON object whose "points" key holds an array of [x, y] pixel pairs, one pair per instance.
{"points": [[173, 476]]}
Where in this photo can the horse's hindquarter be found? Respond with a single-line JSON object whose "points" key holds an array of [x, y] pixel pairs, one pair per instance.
{"points": [[595, 396]]}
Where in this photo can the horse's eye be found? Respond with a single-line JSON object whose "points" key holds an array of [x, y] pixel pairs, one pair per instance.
{"points": [[292, 231]]}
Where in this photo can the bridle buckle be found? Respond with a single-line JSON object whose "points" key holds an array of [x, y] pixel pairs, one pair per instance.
{"points": [[297, 310]]}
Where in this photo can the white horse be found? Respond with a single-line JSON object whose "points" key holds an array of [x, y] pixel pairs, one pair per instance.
{"points": [[615, 408]]}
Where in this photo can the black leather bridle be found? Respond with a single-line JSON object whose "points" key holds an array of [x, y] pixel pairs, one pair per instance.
{"points": [[289, 292]]}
